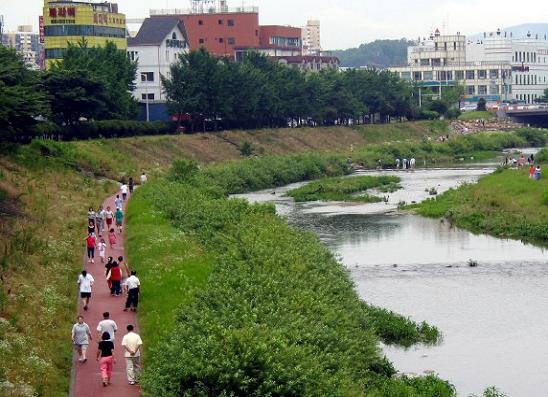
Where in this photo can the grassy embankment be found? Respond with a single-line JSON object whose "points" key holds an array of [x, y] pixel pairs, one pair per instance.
{"points": [[278, 314], [45, 190], [346, 189], [476, 115], [505, 204]]}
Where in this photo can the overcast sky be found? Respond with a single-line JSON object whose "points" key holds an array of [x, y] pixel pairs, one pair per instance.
{"points": [[346, 23]]}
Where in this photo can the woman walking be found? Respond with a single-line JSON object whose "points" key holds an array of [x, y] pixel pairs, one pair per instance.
{"points": [[105, 358], [81, 336], [115, 277], [131, 185], [102, 248], [85, 281], [112, 239], [119, 215], [100, 219], [109, 216], [91, 243], [91, 215]]}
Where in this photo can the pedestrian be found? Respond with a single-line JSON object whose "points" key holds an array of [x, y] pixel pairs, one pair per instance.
{"points": [[105, 358], [112, 238], [91, 243], [125, 273], [118, 203], [119, 216], [133, 291], [132, 344], [131, 185], [107, 325], [143, 178], [412, 163], [115, 277], [108, 266], [91, 228], [532, 170], [102, 248], [100, 219], [85, 281], [91, 215], [404, 164], [398, 163], [81, 336], [124, 189], [109, 216], [538, 173]]}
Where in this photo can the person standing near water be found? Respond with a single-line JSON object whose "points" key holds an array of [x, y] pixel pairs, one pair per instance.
{"points": [[85, 281], [81, 336]]}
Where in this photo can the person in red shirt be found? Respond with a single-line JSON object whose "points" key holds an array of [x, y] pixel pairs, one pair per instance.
{"points": [[532, 171], [115, 277], [91, 243]]}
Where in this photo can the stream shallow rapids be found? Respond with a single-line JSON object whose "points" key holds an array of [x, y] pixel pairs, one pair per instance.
{"points": [[494, 317]]}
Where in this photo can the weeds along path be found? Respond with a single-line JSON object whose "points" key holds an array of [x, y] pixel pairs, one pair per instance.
{"points": [[86, 381]]}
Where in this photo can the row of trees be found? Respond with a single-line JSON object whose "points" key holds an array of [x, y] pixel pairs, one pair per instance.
{"points": [[92, 82], [259, 92]]}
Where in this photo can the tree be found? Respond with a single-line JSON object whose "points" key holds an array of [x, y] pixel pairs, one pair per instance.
{"points": [[544, 98], [22, 98], [106, 65], [482, 105]]}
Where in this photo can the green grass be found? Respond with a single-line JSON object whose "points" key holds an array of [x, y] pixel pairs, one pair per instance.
{"points": [[345, 189], [506, 204], [476, 115], [402, 132]]}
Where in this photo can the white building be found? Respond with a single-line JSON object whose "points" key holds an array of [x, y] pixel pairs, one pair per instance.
{"points": [[157, 45], [311, 38], [497, 68], [26, 42]]}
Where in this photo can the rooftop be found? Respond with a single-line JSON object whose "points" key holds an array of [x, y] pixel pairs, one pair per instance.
{"points": [[212, 10], [154, 31]]}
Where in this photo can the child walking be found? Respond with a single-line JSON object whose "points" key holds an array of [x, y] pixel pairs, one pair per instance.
{"points": [[112, 239], [102, 248], [105, 358]]}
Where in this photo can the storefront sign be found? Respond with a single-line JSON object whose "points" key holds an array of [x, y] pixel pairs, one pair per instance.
{"points": [[62, 14], [41, 28]]}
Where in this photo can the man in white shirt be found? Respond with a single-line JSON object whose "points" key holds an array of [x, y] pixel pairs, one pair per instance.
{"points": [[85, 281], [107, 325], [124, 189], [133, 286], [143, 178], [132, 344]]}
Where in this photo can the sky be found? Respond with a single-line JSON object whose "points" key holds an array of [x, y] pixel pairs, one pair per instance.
{"points": [[345, 23]]}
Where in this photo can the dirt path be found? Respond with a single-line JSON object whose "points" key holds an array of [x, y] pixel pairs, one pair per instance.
{"points": [[87, 377]]}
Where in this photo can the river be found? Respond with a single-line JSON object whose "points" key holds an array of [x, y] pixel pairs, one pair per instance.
{"points": [[492, 316]]}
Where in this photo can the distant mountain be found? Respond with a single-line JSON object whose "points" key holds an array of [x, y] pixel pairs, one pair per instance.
{"points": [[379, 53], [519, 31]]}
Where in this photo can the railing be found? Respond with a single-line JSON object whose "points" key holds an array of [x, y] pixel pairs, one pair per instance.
{"points": [[206, 10]]}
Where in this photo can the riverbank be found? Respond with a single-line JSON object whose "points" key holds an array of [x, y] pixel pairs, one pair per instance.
{"points": [[277, 314], [504, 204]]}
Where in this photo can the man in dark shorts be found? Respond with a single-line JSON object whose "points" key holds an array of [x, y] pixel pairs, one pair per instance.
{"points": [[85, 281]]}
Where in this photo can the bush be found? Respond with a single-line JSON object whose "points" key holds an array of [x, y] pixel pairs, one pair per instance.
{"points": [[482, 105], [542, 156], [534, 136], [247, 149], [428, 115], [453, 113]]}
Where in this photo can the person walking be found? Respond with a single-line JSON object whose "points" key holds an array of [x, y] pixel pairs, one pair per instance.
{"points": [[532, 170], [115, 277], [91, 215], [118, 202], [132, 344], [133, 291], [107, 325], [109, 216], [125, 273], [131, 185], [100, 219], [105, 358], [102, 249], [108, 266], [112, 239], [143, 178], [538, 173], [119, 216], [91, 243], [91, 228], [124, 190], [85, 281], [81, 336]]}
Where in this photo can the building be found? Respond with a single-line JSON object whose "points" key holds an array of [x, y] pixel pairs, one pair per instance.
{"points": [[311, 38], [219, 29], [156, 46], [497, 68], [70, 22], [275, 41], [310, 63], [26, 43]]}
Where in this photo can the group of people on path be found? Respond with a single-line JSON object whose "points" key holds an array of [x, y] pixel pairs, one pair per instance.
{"points": [[406, 164], [121, 281]]}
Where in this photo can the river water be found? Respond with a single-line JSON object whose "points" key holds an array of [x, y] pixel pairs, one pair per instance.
{"points": [[494, 317]]}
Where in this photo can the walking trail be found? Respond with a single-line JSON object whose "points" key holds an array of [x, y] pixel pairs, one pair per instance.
{"points": [[87, 377]]}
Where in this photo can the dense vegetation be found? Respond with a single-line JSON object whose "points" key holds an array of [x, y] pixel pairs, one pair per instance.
{"points": [[345, 189], [506, 203], [379, 54], [259, 92], [277, 316]]}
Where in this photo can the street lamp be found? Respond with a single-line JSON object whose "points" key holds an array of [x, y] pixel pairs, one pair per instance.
{"points": [[145, 76]]}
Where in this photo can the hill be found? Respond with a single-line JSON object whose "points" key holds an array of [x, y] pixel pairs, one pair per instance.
{"points": [[379, 53], [520, 31]]}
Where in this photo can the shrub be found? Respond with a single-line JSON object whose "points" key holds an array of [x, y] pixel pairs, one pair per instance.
{"points": [[453, 113], [542, 156], [247, 149], [428, 115], [535, 137], [482, 105]]}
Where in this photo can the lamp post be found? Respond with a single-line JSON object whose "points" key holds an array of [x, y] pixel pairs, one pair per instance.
{"points": [[144, 75]]}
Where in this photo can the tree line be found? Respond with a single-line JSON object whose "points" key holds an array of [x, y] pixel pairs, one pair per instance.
{"points": [[259, 92]]}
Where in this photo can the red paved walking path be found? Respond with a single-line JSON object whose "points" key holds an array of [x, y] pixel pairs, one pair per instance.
{"points": [[87, 377]]}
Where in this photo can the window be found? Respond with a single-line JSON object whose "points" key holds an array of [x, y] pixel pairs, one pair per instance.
{"points": [[200, 22], [459, 75], [471, 90], [202, 41], [406, 75], [427, 75], [493, 74], [147, 76], [84, 30], [221, 40], [133, 55], [150, 97], [220, 22], [256, 32], [482, 89], [230, 22], [494, 90], [470, 75], [417, 76], [231, 41], [424, 62], [482, 74], [174, 36]]}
